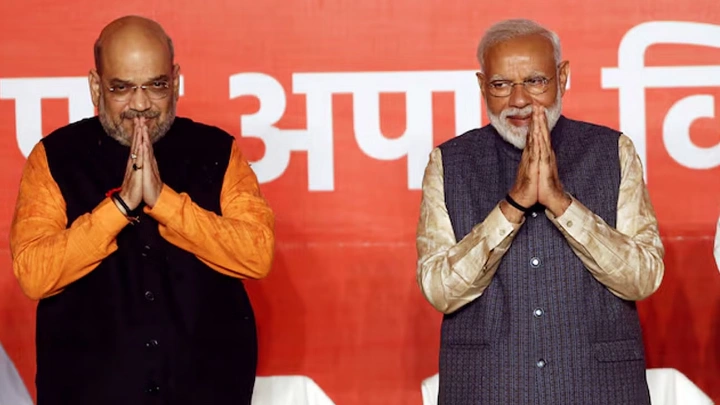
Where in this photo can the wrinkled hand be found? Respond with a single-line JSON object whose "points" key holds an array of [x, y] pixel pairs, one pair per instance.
{"points": [[550, 190], [151, 182], [132, 185], [525, 189]]}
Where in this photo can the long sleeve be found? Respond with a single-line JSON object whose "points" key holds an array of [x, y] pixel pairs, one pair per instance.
{"points": [[240, 242], [450, 273], [627, 259], [46, 254]]}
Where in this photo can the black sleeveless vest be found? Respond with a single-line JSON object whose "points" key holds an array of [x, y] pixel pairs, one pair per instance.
{"points": [[151, 324]]}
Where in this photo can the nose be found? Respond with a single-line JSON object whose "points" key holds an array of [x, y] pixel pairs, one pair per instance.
{"points": [[139, 101], [519, 97]]}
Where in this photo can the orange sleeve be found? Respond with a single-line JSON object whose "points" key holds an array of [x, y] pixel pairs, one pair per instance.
{"points": [[46, 255], [239, 243]]}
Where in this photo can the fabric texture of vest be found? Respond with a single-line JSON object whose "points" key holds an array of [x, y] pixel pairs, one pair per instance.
{"points": [[151, 324], [544, 331]]}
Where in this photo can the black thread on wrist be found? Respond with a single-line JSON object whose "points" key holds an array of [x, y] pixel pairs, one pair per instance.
{"points": [[515, 204], [128, 212]]}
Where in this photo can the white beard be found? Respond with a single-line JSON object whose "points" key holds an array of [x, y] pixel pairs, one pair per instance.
{"points": [[517, 136]]}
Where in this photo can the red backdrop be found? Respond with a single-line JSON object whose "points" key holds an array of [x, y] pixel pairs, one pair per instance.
{"points": [[349, 98]]}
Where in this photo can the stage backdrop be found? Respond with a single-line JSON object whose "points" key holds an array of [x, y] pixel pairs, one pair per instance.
{"points": [[338, 104]]}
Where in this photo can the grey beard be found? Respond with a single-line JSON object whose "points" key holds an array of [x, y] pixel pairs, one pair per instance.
{"points": [[517, 136], [117, 132]]}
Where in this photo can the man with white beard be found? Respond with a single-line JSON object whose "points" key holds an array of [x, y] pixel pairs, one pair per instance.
{"points": [[536, 237]]}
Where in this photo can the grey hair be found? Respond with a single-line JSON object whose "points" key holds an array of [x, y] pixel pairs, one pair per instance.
{"points": [[515, 28]]}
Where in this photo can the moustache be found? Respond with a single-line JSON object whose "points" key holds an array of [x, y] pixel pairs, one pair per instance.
{"points": [[516, 111], [130, 114]]}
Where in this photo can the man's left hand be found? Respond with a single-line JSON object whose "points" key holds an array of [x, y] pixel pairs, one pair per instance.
{"points": [[152, 184], [550, 189]]}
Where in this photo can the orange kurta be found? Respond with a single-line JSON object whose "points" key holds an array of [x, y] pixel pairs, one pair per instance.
{"points": [[48, 255]]}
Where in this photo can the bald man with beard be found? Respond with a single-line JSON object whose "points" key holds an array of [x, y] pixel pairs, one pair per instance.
{"points": [[134, 230]]}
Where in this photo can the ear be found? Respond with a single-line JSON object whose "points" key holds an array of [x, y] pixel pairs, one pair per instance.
{"points": [[563, 74], [176, 80], [94, 82], [481, 82]]}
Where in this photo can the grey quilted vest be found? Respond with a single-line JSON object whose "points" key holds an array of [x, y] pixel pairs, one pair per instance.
{"points": [[545, 331]]}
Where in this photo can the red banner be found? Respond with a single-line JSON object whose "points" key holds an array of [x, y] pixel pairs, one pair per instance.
{"points": [[338, 105]]}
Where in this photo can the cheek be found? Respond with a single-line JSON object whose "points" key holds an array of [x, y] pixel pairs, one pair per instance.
{"points": [[496, 104], [546, 99], [112, 110], [163, 105]]}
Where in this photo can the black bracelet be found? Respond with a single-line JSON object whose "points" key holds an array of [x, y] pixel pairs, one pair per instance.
{"points": [[128, 212], [515, 204]]}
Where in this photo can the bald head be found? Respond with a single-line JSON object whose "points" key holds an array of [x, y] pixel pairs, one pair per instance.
{"points": [[124, 34], [134, 76]]}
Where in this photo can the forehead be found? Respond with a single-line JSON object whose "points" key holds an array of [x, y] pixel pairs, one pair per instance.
{"points": [[519, 57], [135, 58]]}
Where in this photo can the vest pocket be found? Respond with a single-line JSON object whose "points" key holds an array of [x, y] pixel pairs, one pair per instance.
{"points": [[464, 372], [620, 350]]}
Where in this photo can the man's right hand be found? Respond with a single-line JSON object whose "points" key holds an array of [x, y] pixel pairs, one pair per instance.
{"points": [[132, 193], [525, 189]]}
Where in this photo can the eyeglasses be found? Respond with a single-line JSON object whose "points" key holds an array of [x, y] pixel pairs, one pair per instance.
{"points": [[534, 85], [155, 90]]}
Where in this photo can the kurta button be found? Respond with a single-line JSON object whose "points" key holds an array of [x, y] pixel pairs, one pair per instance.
{"points": [[149, 296], [147, 247], [534, 214], [535, 262], [538, 312], [154, 389], [540, 363], [151, 343]]}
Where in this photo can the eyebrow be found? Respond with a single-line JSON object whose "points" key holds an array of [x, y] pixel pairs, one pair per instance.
{"points": [[531, 75], [536, 74], [117, 81], [161, 78]]}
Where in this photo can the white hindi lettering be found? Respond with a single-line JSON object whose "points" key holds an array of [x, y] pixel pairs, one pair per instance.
{"points": [[632, 77], [365, 87], [28, 93], [317, 139]]}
